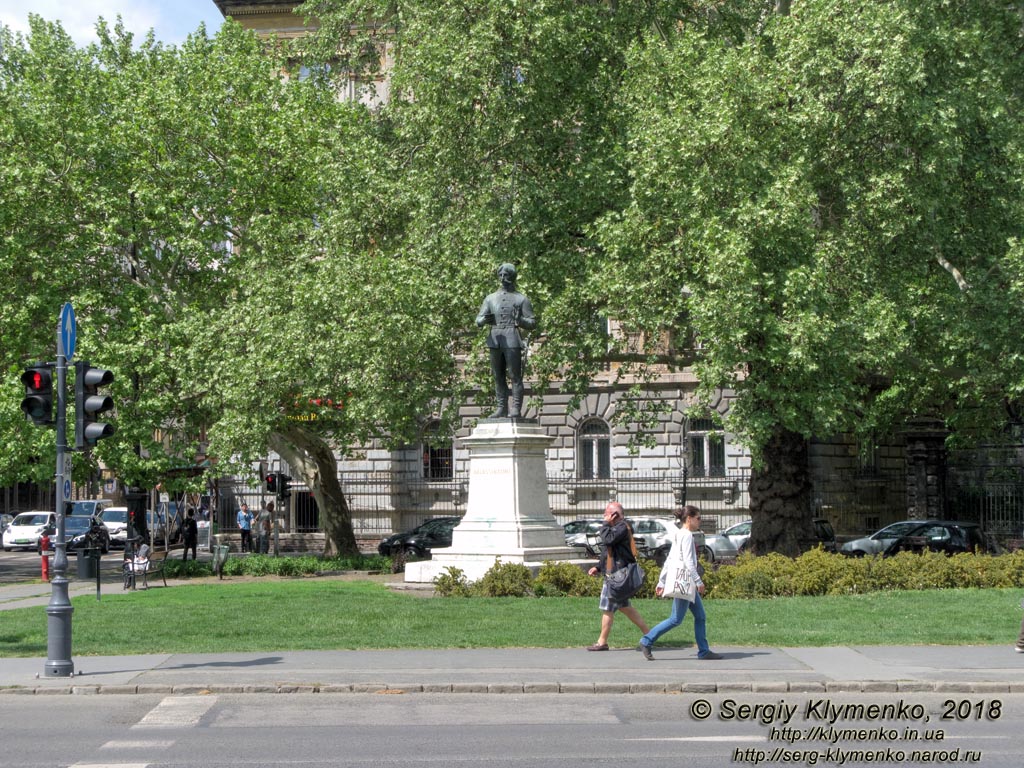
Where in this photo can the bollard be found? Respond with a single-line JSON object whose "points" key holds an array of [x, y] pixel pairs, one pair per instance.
{"points": [[44, 546]]}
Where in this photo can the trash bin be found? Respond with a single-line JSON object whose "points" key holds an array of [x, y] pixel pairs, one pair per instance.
{"points": [[220, 556], [88, 562]]}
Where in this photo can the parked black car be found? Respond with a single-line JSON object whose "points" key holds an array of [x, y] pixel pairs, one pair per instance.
{"points": [[949, 536], [80, 531], [434, 533]]}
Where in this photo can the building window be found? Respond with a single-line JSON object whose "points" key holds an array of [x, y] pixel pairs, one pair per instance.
{"points": [[437, 453], [707, 449], [867, 457], [594, 446]]}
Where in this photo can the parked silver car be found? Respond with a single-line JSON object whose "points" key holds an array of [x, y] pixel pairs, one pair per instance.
{"points": [[654, 539], [582, 533], [739, 534]]}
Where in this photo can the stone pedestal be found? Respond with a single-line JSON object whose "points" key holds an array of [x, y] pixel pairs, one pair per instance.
{"points": [[507, 513]]}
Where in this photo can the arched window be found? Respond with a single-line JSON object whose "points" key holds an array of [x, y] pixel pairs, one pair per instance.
{"points": [[707, 449], [437, 453], [594, 450]]}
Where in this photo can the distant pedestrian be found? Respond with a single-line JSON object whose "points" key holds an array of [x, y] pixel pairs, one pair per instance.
{"points": [[620, 550], [682, 554], [245, 527], [190, 534], [264, 524]]}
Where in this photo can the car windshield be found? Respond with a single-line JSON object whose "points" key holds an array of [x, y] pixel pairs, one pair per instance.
{"points": [[115, 516], [896, 530], [76, 525], [741, 529], [433, 526], [31, 520], [80, 507]]}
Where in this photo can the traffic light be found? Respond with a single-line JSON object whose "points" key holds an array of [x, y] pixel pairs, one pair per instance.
{"points": [[282, 484], [271, 482], [90, 404], [38, 402]]}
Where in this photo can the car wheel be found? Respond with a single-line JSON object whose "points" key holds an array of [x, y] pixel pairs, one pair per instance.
{"points": [[709, 555]]}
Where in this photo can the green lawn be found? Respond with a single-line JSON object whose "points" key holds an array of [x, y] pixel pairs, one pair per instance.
{"points": [[322, 614]]}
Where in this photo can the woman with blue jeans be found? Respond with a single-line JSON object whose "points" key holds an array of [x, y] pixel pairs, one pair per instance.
{"points": [[684, 552]]}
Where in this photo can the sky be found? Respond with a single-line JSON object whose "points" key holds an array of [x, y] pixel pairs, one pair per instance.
{"points": [[172, 20]]}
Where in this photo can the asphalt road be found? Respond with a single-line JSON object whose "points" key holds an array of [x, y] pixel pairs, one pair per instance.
{"points": [[539, 730], [22, 565]]}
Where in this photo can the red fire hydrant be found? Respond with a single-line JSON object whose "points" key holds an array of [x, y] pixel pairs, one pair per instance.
{"points": [[44, 546]]}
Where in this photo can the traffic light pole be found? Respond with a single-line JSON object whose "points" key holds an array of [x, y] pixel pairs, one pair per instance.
{"points": [[59, 610]]}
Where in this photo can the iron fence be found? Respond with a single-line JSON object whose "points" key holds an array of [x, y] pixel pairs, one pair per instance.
{"points": [[856, 503], [998, 507], [860, 502]]}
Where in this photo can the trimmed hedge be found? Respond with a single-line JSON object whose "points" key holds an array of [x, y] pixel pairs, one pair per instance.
{"points": [[813, 573], [266, 565], [822, 573]]}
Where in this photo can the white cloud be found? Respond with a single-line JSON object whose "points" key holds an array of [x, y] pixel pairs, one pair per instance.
{"points": [[172, 20]]}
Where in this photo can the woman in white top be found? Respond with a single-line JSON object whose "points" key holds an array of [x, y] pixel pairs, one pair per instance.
{"points": [[683, 552]]}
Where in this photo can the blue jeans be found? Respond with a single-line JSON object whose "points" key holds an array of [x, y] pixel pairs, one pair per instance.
{"points": [[679, 608]]}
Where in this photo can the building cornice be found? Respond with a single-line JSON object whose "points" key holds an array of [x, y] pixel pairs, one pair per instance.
{"points": [[253, 7]]}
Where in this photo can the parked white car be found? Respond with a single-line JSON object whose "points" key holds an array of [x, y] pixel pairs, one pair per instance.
{"points": [[116, 521], [738, 534], [25, 530]]}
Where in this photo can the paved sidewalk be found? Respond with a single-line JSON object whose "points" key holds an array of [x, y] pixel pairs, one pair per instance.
{"points": [[971, 669], [984, 669]]}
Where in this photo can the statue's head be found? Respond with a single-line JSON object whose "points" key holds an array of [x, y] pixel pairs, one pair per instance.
{"points": [[507, 274]]}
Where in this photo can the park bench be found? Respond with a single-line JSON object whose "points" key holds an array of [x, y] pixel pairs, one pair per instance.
{"points": [[157, 561]]}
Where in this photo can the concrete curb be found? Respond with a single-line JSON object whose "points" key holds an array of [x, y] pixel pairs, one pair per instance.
{"points": [[601, 688]]}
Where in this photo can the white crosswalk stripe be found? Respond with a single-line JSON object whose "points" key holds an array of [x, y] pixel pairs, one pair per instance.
{"points": [[177, 711], [122, 744]]}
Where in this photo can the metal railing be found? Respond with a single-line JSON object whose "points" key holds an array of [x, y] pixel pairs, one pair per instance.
{"points": [[856, 503]]}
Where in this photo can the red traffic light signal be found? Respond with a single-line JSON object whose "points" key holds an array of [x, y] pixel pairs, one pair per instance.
{"points": [[271, 482], [38, 401]]}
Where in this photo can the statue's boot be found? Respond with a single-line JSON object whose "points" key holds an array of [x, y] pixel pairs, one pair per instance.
{"points": [[502, 411], [517, 402]]}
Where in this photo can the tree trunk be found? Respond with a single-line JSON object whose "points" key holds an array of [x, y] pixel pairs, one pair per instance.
{"points": [[311, 456], [780, 495]]}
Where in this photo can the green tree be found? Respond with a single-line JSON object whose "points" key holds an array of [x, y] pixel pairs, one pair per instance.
{"points": [[174, 196], [838, 191], [825, 196]]}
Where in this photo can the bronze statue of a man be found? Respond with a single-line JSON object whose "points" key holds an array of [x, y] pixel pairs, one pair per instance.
{"points": [[506, 311]]}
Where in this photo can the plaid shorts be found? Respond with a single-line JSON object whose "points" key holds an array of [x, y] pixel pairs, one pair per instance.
{"points": [[607, 604]]}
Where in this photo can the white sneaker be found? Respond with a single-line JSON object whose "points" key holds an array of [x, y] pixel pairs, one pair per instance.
{"points": [[1019, 648]]}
